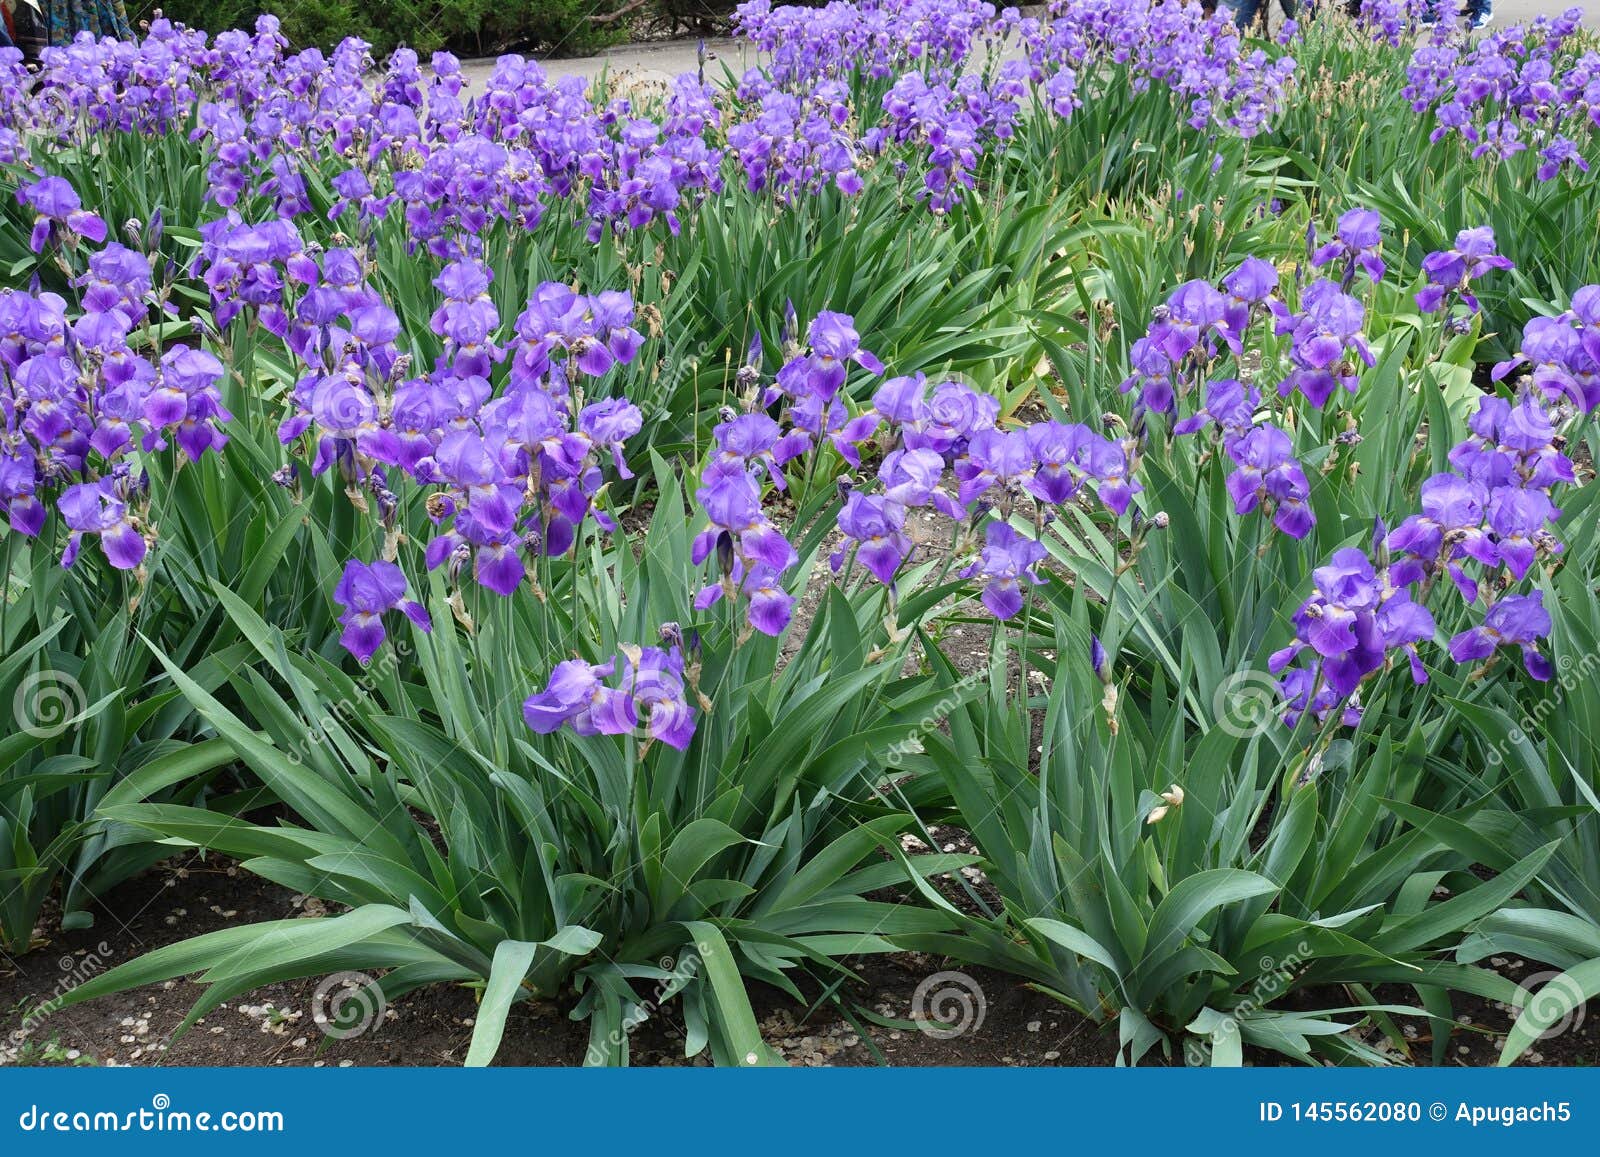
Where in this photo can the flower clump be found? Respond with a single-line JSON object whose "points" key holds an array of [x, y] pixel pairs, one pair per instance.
{"points": [[82, 405], [1485, 526]]}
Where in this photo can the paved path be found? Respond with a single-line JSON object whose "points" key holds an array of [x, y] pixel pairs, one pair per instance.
{"points": [[660, 61], [669, 58], [1519, 11]]}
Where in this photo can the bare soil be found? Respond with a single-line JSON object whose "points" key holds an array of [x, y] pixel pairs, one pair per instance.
{"points": [[276, 1026]]}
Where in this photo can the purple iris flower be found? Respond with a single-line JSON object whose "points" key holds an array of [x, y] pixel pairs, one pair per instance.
{"points": [[1451, 272], [497, 565], [467, 318], [1352, 622], [1449, 529], [1267, 472], [1252, 284], [834, 341], [1304, 690], [1323, 336], [912, 477], [1152, 377], [1514, 621], [117, 281], [1056, 447], [1511, 445], [1230, 405], [953, 413], [902, 401], [367, 591], [650, 685], [58, 213], [192, 375], [654, 677], [993, 457], [1106, 461], [19, 483], [751, 438], [878, 527], [609, 424], [249, 266], [1194, 312], [1517, 516], [96, 508], [595, 333], [1561, 153], [577, 694], [1007, 561], [731, 497], [1563, 360], [1358, 236], [771, 607]]}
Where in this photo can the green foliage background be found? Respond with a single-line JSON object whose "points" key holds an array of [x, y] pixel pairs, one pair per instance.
{"points": [[471, 27]]}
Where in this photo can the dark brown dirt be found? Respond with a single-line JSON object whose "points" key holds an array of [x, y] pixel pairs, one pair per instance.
{"points": [[1482, 1024], [274, 1026]]}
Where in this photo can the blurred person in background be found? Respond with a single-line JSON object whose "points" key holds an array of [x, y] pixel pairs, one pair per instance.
{"points": [[1248, 12], [32, 25], [65, 19]]}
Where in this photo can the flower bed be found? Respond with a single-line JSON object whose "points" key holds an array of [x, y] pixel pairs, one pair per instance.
{"points": [[538, 523]]}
